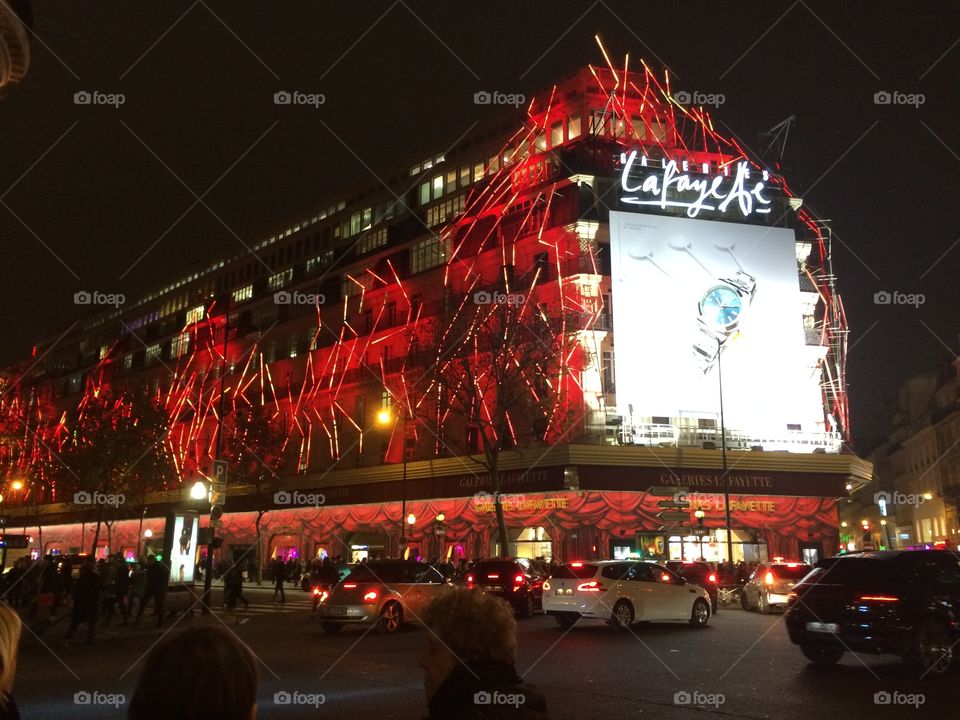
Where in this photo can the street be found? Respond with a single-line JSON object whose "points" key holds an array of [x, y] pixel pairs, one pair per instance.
{"points": [[741, 665]]}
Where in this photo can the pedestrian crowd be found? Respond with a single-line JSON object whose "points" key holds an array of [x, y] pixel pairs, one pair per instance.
{"points": [[89, 592]]}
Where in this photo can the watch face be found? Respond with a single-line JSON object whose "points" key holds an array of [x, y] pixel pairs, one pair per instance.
{"points": [[720, 307]]}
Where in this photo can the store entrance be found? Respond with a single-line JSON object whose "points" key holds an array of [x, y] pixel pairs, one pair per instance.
{"points": [[529, 542]]}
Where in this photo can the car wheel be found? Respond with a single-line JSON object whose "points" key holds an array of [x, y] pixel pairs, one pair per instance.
{"points": [[743, 600], [931, 652], [622, 614], [822, 655], [331, 628], [566, 621], [391, 617], [526, 607], [763, 604], [700, 615]]}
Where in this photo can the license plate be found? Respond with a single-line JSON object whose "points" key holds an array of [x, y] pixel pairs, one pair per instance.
{"points": [[335, 610], [823, 627]]}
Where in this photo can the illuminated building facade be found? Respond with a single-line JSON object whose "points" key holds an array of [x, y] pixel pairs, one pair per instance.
{"points": [[634, 255]]}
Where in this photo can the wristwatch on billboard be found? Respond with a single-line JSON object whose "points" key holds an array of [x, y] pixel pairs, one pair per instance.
{"points": [[721, 309]]}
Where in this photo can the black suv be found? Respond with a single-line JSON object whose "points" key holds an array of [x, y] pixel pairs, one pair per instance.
{"points": [[515, 580], [698, 573], [903, 602]]}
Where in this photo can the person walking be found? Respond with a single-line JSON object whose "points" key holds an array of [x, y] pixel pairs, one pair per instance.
{"points": [[122, 586], [10, 629], [279, 570], [157, 577], [86, 601]]}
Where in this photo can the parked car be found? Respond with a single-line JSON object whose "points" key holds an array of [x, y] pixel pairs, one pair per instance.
{"points": [[623, 593], [770, 584], [699, 573], [387, 593], [903, 602], [517, 582]]}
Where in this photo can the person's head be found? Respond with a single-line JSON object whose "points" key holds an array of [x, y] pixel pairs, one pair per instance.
{"points": [[197, 675], [10, 628], [465, 626]]}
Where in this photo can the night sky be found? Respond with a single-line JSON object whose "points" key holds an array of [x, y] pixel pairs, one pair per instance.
{"points": [[99, 185]]}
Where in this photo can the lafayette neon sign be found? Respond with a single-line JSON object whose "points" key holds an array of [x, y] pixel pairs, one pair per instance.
{"points": [[664, 189]]}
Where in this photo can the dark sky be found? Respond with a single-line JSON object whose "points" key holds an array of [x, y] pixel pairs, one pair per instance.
{"points": [[199, 80]]}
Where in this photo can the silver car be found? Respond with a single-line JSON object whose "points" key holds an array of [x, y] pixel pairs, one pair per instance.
{"points": [[385, 593]]}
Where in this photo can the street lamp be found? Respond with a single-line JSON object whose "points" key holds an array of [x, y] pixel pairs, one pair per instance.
{"points": [[148, 533], [17, 485], [198, 491], [411, 519], [699, 515], [723, 451]]}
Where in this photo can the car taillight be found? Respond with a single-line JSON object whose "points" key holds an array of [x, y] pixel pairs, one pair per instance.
{"points": [[791, 596], [349, 586], [493, 576], [576, 564], [370, 596], [711, 578], [470, 579], [879, 598], [769, 578], [316, 591], [546, 584], [665, 577], [591, 586], [518, 580]]}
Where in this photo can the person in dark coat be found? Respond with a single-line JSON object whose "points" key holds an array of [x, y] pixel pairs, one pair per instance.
{"points": [[156, 588], [468, 664], [86, 600], [279, 570]]}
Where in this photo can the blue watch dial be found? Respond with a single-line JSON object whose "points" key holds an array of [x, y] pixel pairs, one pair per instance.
{"points": [[720, 307]]}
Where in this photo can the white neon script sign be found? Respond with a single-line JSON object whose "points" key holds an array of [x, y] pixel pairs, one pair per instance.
{"points": [[708, 192]]}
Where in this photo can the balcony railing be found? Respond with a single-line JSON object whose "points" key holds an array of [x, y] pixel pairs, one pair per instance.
{"points": [[654, 435]]}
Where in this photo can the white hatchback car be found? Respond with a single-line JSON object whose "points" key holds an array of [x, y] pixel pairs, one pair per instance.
{"points": [[623, 592]]}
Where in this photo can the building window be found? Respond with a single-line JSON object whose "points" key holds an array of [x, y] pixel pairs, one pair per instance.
{"points": [[278, 280], [464, 175], [179, 345], [478, 171], [573, 127], [104, 349], [556, 134], [372, 240], [438, 187], [242, 294], [153, 353], [428, 254], [608, 372], [194, 315], [128, 361], [424, 193], [386, 400]]}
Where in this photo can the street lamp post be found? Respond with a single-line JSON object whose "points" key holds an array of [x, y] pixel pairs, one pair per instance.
{"points": [[723, 453], [384, 417]]}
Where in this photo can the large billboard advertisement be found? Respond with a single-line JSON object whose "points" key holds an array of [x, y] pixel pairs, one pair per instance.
{"points": [[693, 298]]}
